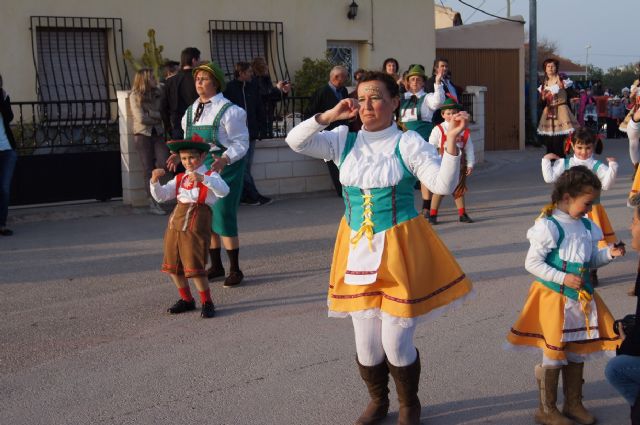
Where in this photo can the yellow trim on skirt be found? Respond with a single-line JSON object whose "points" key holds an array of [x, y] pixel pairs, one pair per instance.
{"points": [[540, 325], [417, 273]]}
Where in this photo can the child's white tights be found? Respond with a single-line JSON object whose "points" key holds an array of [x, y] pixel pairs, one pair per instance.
{"points": [[376, 337], [571, 357]]}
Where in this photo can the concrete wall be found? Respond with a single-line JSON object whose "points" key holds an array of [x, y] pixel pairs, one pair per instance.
{"points": [[276, 169], [308, 25]]}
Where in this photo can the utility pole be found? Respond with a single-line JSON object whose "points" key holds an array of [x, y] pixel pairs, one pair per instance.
{"points": [[533, 69], [508, 8], [586, 64]]}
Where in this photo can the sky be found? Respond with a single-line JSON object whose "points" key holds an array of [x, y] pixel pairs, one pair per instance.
{"points": [[607, 26]]}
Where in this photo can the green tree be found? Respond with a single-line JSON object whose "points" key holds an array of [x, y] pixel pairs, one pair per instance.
{"points": [[619, 77], [313, 74]]}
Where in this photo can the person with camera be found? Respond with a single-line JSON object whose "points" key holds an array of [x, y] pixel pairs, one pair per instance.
{"points": [[623, 371]]}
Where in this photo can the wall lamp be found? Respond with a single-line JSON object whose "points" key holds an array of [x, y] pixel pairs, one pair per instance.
{"points": [[353, 10]]}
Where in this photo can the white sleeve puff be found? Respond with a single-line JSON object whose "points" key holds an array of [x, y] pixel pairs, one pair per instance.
{"points": [[543, 237], [439, 175], [599, 257], [308, 138], [607, 174]]}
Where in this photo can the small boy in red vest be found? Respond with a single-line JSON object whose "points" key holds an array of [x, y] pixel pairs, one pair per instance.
{"points": [[449, 108], [188, 234]]}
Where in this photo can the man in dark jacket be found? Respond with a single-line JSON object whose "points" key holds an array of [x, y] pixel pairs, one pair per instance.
{"points": [[447, 84], [8, 158], [179, 92], [244, 93], [326, 98]]}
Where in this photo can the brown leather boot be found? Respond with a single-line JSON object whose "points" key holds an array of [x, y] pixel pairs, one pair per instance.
{"points": [[377, 380], [548, 413], [407, 379], [572, 387]]}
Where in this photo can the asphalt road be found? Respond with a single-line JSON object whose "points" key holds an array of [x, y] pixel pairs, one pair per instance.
{"points": [[85, 338]]}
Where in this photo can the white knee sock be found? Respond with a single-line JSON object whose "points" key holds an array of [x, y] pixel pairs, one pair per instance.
{"points": [[398, 343], [368, 340]]}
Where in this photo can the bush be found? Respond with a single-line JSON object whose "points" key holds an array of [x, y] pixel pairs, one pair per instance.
{"points": [[313, 75]]}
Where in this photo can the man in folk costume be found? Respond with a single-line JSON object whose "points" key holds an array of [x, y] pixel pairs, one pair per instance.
{"points": [[416, 111], [224, 126], [438, 138]]}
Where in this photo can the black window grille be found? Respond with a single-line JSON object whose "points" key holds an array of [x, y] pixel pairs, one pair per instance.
{"points": [[235, 41], [78, 61]]}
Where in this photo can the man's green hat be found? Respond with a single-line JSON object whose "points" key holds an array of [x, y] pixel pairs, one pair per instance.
{"points": [[196, 142], [416, 70], [451, 103], [215, 71]]}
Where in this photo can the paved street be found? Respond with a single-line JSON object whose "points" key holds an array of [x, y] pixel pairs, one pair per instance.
{"points": [[85, 338]]}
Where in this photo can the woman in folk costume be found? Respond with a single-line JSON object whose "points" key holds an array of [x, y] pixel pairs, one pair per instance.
{"points": [[633, 132], [556, 121], [438, 138], [563, 316], [390, 269], [224, 126], [583, 143], [416, 111]]}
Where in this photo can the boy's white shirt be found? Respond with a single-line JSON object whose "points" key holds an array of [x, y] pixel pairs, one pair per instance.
{"points": [[217, 188], [606, 174], [435, 138]]}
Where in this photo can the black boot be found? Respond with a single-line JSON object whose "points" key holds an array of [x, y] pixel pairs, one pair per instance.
{"points": [[377, 380]]}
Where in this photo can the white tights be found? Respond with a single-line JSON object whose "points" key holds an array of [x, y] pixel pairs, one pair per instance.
{"points": [[634, 148], [571, 357], [377, 337]]}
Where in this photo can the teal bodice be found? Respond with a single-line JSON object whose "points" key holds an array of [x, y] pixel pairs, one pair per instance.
{"points": [[422, 127], [381, 208], [580, 269]]}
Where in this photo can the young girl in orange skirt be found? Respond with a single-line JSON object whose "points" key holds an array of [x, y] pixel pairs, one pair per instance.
{"points": [[583, 143], [563, 316]]}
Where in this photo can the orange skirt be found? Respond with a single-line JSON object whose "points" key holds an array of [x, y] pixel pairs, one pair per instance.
{"points": [[417, 274], [599, 216], [635, 187], [540, 326]]}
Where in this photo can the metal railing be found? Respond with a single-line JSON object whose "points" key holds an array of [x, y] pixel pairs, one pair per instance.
{"points": [[467, 104], [65, 126], [282, 115], [235, 41]]}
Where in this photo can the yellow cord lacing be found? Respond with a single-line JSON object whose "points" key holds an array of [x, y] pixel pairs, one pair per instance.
{"points": [[367, 223]]}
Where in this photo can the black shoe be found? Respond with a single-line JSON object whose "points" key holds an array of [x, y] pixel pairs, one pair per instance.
{"points": [[433, 219], [233, 279], [213, 274], [464, 218], [425, 213], [252, 202], [181, 306], [208, 310], [263, 200], [6, 232]]}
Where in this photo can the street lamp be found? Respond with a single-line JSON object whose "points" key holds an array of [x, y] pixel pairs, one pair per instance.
{"points": [[353, 10], [586, 66]]}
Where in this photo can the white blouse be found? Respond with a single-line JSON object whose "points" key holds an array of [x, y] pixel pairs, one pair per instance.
{"points": [[217, 189], [606, 174], [435, 138], [579, 245], [233, 134], [432, 101], [372, 162]]}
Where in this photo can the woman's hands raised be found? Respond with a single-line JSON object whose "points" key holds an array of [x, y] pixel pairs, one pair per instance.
{"points": [[346, 109]]}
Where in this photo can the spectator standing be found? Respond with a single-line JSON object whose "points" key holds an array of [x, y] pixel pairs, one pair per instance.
{"points": [[244, 93], [270, 95], [356, 124], [392, 67], [326, 98], [148, 134], [179, 93], [617, 112], [441, 65], [8, 158]]}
